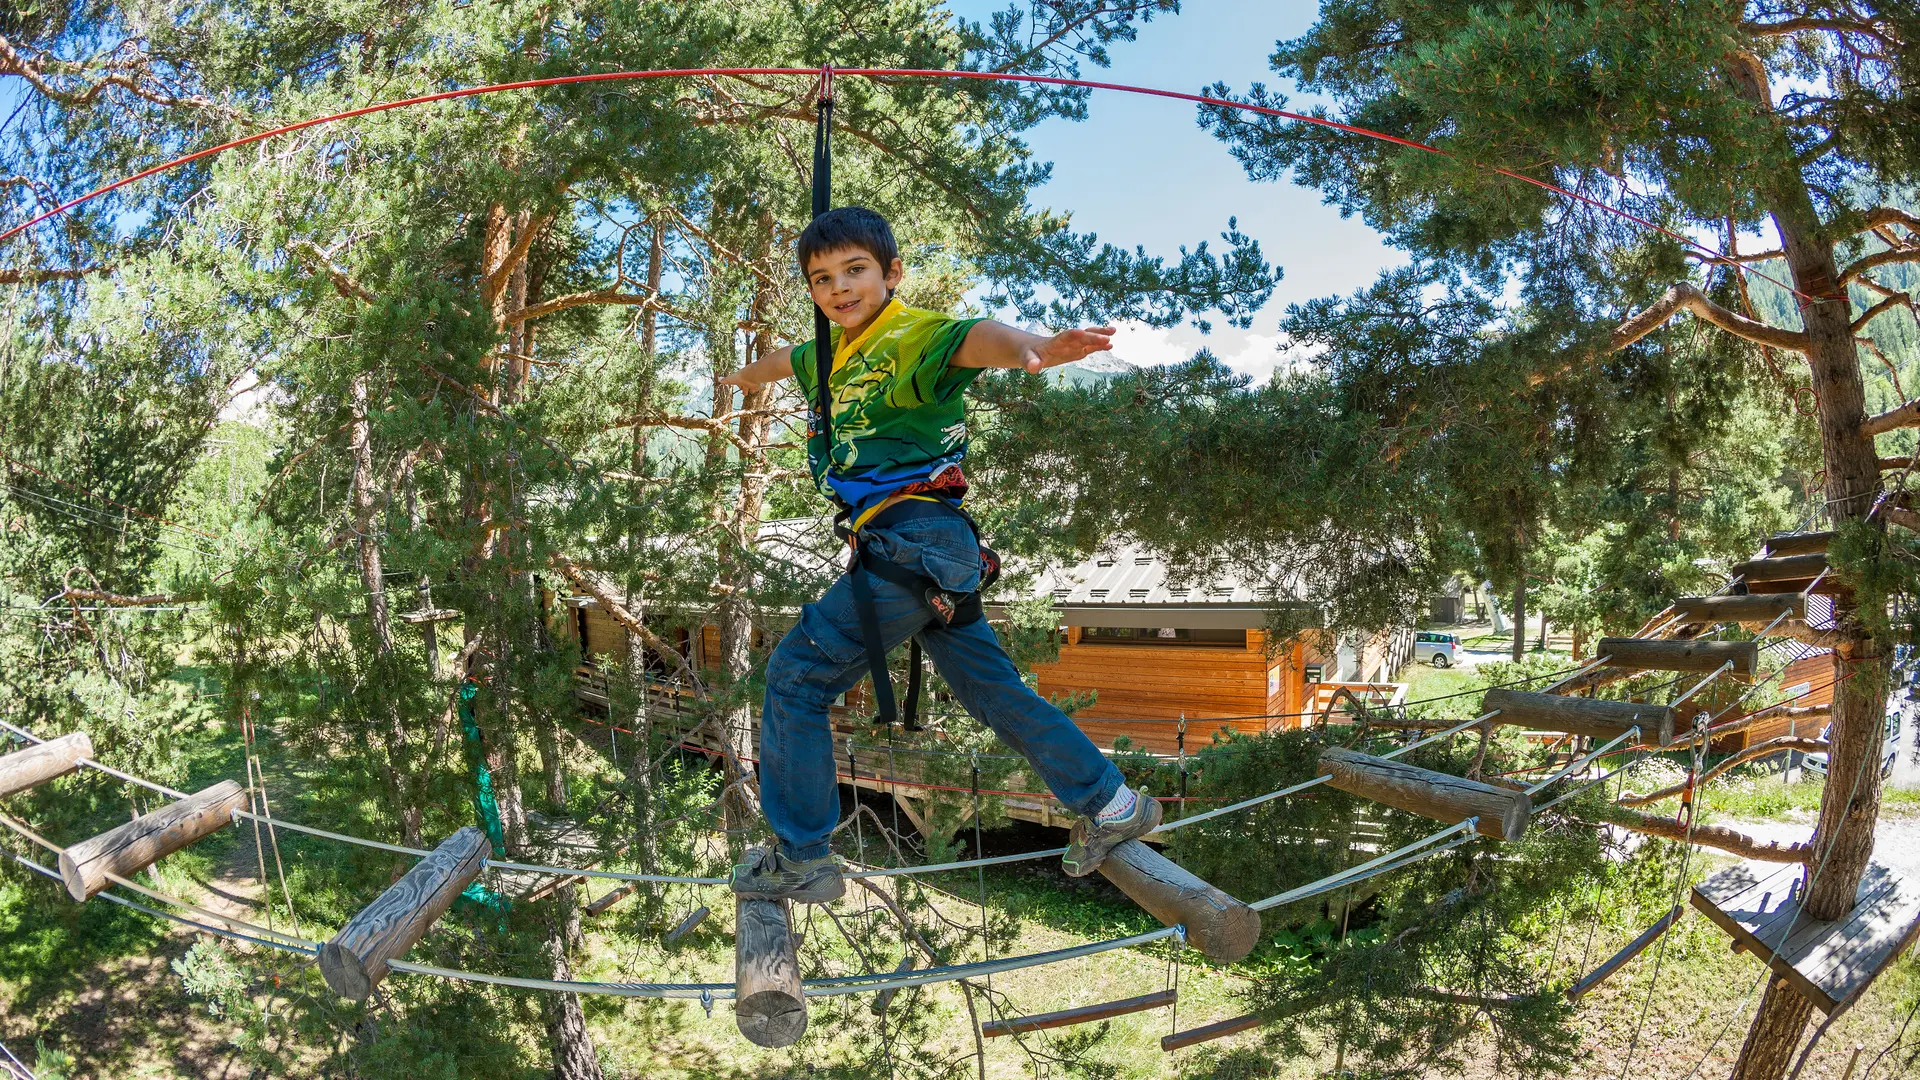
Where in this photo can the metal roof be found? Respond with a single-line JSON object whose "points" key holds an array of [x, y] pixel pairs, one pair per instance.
{"points": [[1129, 585]]}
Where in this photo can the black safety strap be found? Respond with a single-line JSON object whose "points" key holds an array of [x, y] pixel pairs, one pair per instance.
{"points": [[822, 202], [916, 671]]}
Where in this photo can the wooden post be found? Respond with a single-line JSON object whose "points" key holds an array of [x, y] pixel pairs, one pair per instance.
{"points": [[1502, 813], [29, 768], [883, 1000], [768, 1005], [1761, 608], [1649, 654], [694, 918], [1218, 925], [355, 959], [148, 838], [1594, 717], [1785, 568], [1085, 1014]]}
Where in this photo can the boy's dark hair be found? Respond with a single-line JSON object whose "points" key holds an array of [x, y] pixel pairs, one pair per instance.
{"points": [[849, 227]]}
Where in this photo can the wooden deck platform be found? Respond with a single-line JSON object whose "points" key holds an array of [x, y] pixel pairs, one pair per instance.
{"points": [[1828, 962]]}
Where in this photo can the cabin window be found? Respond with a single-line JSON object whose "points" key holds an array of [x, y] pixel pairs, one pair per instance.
{"points": [[1160, 635]]}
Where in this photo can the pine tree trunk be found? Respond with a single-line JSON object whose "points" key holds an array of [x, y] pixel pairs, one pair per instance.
{"points": [[573, 1056], [393, 731], [1520, 617], [1843, 836]]}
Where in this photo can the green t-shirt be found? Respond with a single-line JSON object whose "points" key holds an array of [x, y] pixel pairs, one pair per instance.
{"points": [[899, 414]]}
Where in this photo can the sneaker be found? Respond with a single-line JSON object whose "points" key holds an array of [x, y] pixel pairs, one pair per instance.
{"points": [[1089, 843], [769, 875]]}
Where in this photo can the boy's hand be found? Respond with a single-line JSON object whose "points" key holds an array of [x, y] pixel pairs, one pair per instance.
{"points": [[1067, 346], [740, 379]]}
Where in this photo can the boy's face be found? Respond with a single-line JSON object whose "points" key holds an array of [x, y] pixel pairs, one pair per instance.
{"points": [[851, 285]]}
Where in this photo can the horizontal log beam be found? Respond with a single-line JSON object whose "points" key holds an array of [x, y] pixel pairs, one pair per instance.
{"points": [[1223, 928], [147, 839], [1593, 717], [883, 1000], [1827, 586], [1757, 750], [769, 1005], [1784, 568], [1804, 543], [354, 960], [1753, 609], [686, 926], [1900, 416], [1646, 654], [1084, 1014], [26, 769], [1713, 836], [1499, 812]]}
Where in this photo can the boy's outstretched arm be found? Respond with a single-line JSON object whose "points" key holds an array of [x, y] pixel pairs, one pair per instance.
{"points": [[772, 367], [997, 345]]}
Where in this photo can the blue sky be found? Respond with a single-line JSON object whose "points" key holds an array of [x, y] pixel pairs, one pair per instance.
{"points": [[1140, 170]]}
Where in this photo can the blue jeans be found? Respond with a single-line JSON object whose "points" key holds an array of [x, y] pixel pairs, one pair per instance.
{"points": [[823, 657]]}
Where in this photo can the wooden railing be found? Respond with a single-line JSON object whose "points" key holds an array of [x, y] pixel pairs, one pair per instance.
{"points": [[1332, 700]]}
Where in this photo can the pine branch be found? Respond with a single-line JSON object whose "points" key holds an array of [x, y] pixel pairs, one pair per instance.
{"points": [[113, 599], [343, 282], [1888, 257], [1713, 836], [1685, 296], [1882, 216], [1758, 750], [1900, 416], [40, 277], [612, 296], [1903, 517], [585, 583], [120, 74], [1892, 300]]}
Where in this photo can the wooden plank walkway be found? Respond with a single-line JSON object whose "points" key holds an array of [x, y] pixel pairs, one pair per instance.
{"points": [[1827, 961]]}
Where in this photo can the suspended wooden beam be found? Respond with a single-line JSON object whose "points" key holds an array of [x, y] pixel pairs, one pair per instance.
{"points": [[145, 840], [23, 770], [1826, 586], [1219, 1029], [686, 926], [883, 1000], [1502, 813], [1781, 545], [612, 898], [354, 960], [769, 1006], [1594, 717], [1784, 568], [430, 615], [1218, 925], [1649, 654], [1619, 960], [1081, 1015], [1760, 608]]}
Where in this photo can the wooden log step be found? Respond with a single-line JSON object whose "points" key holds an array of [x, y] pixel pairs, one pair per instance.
{"points": [[883, 1000], [1756, 608], [1806, 543], [769, 1005], [1618, 960], [1081, 1015], [25, 769], [140, 843], [1218, 925], [1502, 813], [686, 926], [1826, 587], [1592, 717], [1785, 568], [1219, 1029], [1651, 654], [354, 960]]}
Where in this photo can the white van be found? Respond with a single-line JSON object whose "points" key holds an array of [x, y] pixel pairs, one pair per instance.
{"points": [[1436, 648], [1889, 740]]}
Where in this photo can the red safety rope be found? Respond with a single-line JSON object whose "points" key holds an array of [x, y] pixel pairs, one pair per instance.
{"points": [[825, 75]]}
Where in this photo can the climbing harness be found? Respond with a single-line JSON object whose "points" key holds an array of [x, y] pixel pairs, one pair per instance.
{"points": [[945, 607]]}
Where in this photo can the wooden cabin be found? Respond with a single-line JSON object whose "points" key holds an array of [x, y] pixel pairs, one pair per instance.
{"points": [[1160, 655]]}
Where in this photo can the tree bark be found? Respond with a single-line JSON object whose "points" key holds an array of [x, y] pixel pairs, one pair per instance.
{"points": [[1843, 836], [1520, 616], [573, 1056], [398, 767]]}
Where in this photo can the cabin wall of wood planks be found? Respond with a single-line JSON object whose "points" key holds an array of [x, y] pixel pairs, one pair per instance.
{"points": [[1813, 674], [1166, 682]]}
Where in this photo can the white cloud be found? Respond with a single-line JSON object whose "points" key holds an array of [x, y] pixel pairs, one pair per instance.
{"points": [[1245, 351]]}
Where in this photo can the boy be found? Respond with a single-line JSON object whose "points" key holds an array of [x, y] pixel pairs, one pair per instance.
{"points": [[898, 428]]}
